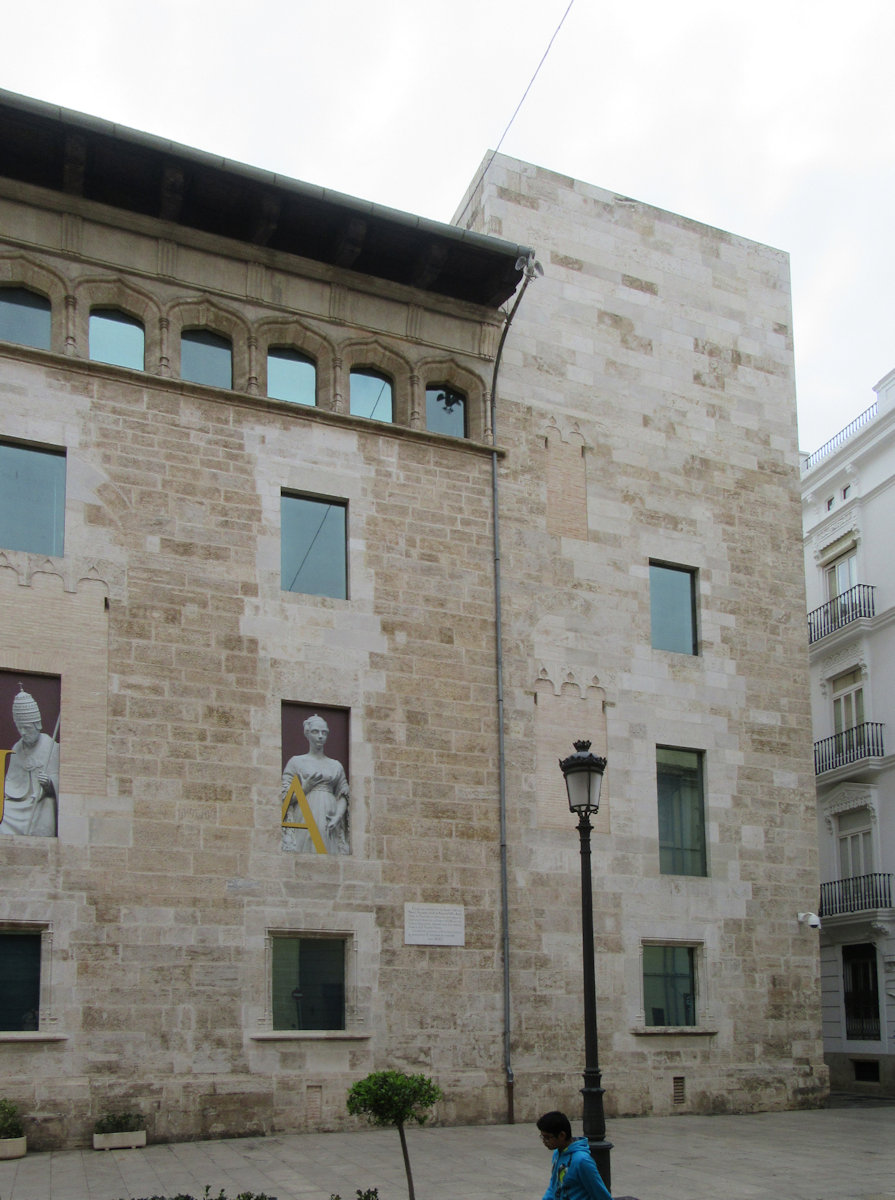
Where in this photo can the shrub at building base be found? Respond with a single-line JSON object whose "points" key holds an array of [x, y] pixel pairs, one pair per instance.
{"points": [[13, 1143], [393, 1098], [119, 1131]]}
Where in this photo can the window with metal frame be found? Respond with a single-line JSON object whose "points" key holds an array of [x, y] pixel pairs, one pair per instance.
{"points": [[308, 982], [313, 546], [32, 499], [681, 801]]}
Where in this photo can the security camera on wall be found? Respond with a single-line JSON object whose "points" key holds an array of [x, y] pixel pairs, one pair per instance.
{"points": [[812, 919]]}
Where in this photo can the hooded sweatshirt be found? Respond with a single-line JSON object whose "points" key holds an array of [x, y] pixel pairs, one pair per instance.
{"points": [[574, 1175]]}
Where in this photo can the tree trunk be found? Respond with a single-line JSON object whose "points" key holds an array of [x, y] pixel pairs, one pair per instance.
{"points": [[406, 1161]]}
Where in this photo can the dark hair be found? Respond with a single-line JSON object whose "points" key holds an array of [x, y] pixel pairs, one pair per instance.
{"points": [[555, 1123]]}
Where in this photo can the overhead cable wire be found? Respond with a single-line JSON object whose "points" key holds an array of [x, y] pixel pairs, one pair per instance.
{"points": [[496, 151]]}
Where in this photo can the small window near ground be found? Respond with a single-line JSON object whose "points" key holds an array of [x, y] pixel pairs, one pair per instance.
{"points": [[116, 338], [445, 411], [672, 593], [669, 985], [19, 982], [866, 1070], [681, 811], [206, 357], [32, 499], [291, 376], [308, 984], [25, 318], [313, 546], [371, 396]]}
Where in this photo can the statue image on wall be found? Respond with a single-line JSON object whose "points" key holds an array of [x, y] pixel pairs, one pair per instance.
{"points": [[314, 793], [30, 768]]}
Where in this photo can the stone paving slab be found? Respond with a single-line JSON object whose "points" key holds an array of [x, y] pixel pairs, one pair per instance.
{"points": [[828, 1154]]}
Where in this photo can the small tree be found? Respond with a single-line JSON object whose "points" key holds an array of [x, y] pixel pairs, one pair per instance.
{"points": [[393, 1098]]}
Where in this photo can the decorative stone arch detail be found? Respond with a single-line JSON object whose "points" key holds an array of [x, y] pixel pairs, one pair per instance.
{"points": [[295, 335], [374, 356], [109, 292], [849, 797], [20, 271], [205, 314], [850, 658], [434, 371], [837, 538], [572, 436], [567, 706]]}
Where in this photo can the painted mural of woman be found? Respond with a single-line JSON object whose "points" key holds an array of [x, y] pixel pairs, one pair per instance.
{"points": [[324, 785]]}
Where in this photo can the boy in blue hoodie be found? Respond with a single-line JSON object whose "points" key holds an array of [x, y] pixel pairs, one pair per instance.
{"points": [[574, 1175]]}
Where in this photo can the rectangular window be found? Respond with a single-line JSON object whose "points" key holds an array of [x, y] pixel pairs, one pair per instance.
{"points": [[445, 411], [860, 988], [672, 592], [855, 844], [32, 499], [25, 317], [206, 357], [669, 985], [679, 787], [313, 546], [308, 982], [291, 376], [116, 338], [19, 981]]}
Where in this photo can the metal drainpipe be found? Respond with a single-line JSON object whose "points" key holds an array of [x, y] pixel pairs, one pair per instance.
{"points": [[531, 269]]}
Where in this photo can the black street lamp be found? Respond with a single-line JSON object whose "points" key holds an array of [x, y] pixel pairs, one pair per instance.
{"points": [[583, 773]]}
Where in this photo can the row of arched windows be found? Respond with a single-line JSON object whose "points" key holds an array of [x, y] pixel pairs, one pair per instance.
{"points": [[206, 357]]}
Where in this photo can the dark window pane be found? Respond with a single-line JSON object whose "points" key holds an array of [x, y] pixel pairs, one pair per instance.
{"points": [[672, 592], [25, 318], [291, 376], [206, 358], [371, 396], [32, 500], [860, 986], [308, 985], [19, 981], [669, 985], [116, 338], [445, 411], [681, 812], [312, 546]]}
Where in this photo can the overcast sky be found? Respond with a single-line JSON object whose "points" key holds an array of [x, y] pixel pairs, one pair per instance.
{"points": [[774, 119]]}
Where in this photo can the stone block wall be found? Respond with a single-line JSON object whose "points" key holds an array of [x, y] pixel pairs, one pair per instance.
{"points": [[645, 411]]}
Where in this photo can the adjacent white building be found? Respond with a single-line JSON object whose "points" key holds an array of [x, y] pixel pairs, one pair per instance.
{"points": [[848, 497]]}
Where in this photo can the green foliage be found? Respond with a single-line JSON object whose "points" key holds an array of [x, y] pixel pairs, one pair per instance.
{"points": [[393, 1098], [120, 1122], [10, 1124], [206, 1195], [369, 1194]]}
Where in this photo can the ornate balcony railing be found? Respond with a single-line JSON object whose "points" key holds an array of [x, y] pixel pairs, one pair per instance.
{"points": [[851, 745], [856, 894], [838, 439], [856, 602]]}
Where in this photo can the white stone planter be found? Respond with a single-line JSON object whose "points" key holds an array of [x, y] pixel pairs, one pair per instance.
{"points": [[13, 1147], [119, 1141]]}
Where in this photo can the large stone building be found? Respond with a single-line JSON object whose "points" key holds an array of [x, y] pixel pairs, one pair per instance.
{"points": [[848, 489], [248, 479]]}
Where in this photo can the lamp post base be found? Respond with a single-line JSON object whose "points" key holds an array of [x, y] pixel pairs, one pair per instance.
{"points": [[600, 1154]]}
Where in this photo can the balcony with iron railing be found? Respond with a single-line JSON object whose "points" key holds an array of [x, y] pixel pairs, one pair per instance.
{"points": [[849, 746], [841, 610], [840, 438], [857, 894]]}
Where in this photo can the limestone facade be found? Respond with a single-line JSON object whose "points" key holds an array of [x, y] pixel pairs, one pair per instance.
{"points": [[645, 414]]}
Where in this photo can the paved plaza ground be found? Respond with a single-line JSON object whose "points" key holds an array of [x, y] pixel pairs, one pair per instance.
{"points": [[829, 1154]]}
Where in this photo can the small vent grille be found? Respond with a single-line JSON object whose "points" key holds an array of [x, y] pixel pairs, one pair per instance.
{"points": [[678, 1089]]}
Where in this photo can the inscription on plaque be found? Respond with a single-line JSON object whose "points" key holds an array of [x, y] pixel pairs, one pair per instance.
{"points": [[434, 925]]}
